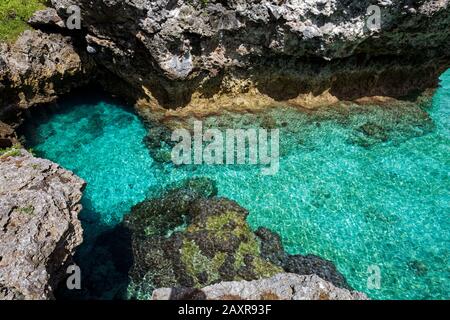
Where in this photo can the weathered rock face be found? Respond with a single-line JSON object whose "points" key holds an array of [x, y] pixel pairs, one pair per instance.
{"points": [[283, 286], [233, 53], [39, 227], [36, 69], [47, 18], [8, 136]]}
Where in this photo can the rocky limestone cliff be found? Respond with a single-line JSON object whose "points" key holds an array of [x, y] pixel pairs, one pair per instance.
{"points": [[283, 286], [36, 69], [8, 136], [238, 53], [39, 226]]}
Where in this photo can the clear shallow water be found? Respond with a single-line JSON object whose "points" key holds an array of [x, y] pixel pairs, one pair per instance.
{"points": [[385, 202]]}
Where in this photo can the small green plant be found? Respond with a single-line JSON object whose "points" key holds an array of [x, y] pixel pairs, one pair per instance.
{"points": [[14, 15], [27, 210], [14, 151]]}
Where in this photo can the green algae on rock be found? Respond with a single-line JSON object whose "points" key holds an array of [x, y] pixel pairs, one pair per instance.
{"points": [[272, 249], [216, 244]]}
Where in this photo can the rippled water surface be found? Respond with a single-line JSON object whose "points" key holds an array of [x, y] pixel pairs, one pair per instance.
{"points": [[370, 188]]}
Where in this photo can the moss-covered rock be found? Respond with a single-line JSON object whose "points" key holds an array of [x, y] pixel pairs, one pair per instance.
{"points": [[189, 237], [158, 216], [219, 227], [215, 243]]}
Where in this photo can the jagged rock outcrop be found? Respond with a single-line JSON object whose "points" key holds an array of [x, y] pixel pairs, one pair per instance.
{"points": [[8, 136], [272, 249], [239, 53], [39, 227], [36, 69], [283, 286], [189, 237], [47, 18]]}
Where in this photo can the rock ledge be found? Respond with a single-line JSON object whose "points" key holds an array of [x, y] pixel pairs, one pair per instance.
{"points": [[39, 226], [283, 286]]}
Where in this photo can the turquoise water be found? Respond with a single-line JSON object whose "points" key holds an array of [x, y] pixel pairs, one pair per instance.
{"points": [[357, 199]]}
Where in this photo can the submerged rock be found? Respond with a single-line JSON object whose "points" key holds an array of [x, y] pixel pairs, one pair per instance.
{"points": [[373, 130], [283, 286], [189, 237], [272, 249], [160, 215], [418, 267], [395, 123], [39, 226]]}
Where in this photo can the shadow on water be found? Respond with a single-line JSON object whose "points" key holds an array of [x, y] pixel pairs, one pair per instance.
{"points": [[89, 96], [105, 256]]}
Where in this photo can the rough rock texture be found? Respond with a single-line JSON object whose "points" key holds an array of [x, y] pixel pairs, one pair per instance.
{"points": [[188, 237], [46, 18], [8, 136], [283, 286], [272, 250], [36, 69], [39, 227], [240, 53]]}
